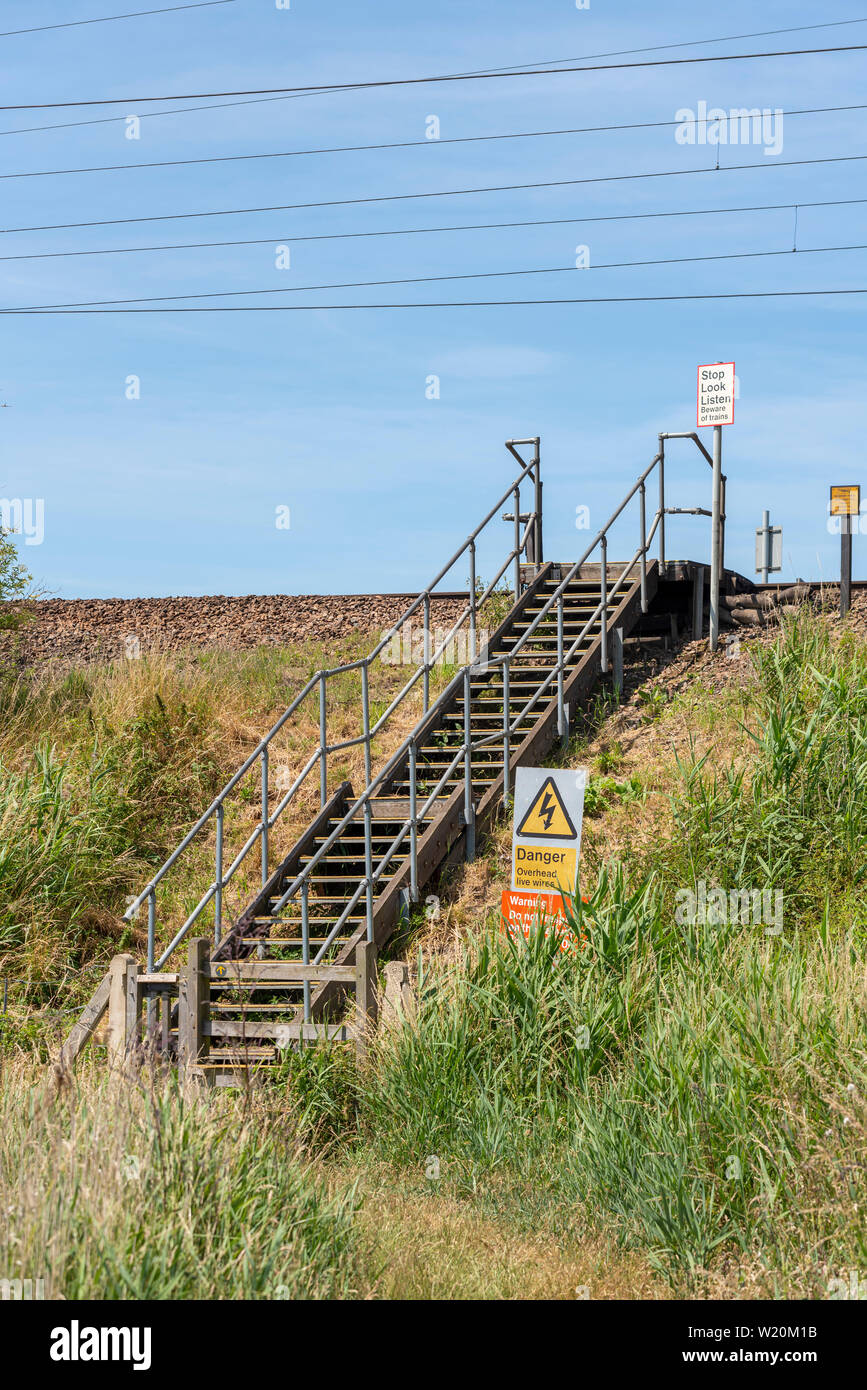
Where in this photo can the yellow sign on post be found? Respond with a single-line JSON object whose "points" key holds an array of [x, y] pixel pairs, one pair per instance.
{"points": [[845, 500], [547, 829]]}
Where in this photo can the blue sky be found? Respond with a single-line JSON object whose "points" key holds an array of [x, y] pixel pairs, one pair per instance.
{"points": [[326, 413]]}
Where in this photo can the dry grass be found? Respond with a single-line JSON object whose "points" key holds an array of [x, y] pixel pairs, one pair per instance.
{"points": [[421, 1244]]}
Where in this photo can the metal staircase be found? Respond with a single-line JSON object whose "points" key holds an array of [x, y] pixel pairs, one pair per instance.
{"points": [[282, 970]]}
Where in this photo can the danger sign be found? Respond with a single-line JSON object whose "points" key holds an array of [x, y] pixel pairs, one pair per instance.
{"points": [[546, 840], [716, 394]]}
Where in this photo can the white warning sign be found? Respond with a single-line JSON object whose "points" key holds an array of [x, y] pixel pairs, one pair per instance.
{"points": [[716, 394]]}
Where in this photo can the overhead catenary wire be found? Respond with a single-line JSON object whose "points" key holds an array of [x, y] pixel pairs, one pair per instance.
{"points": [[402, 144], [615, 53], [446, 304], [109, 18], [576, 220], [424, 81], [436, 279], [436, 193]]}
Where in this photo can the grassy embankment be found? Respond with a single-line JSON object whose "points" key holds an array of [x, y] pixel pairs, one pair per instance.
{"points": [[678, 1109]]}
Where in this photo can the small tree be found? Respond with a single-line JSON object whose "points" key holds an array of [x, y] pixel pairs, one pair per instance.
{"points": [[15, 583]]}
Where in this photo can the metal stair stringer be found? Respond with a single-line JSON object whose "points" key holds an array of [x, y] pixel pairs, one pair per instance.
{"points": [[443, 844]]}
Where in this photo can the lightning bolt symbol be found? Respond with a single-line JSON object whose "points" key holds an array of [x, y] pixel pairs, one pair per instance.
{"points": [[547, 809]]}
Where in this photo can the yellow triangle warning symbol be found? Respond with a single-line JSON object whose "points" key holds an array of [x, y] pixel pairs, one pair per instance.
{"points": [[547, 817]]}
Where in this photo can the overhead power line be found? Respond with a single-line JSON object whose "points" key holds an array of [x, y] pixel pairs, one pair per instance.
{"points": [[587, 57], [445, 304], [423, 81], [438, 279], [426, 231], [398, 145], [108, 18], [437, 193]]}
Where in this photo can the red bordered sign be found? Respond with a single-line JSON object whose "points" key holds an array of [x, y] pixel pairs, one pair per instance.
{"points": [[715, 394]]}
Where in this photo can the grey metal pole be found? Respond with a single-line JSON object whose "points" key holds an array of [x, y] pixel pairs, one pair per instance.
{"points": [[305, 944], [365, 714], [413, 826], [218, 896], [537, 459], [323, 742], [152, 929], [469, 810], [368, 866], [662, 506], [715, 557], [845, 564], [264, 772], [642, 522], [517, 496], [473, 652], [506, 731], [426, 677], [561, 713], [766, 537], [603, 575]]}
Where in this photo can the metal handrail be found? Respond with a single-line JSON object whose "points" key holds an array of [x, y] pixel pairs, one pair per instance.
{"points": [[527, 544]]}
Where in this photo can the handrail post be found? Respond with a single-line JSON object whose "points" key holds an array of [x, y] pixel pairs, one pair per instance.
{"points": [[305, 943], [472, 600], [507, 732], [426, 677], [218, 896], [264, 771], [469, 810], [643, 528], [368, 829], [517, 497], [152, 935], [365, 715], [722, 524], [661, 512], [413, 825], [715, 537], [603, 576], [537, 460], [152, 929], [368, 866], [561, 712], [323, 742]]}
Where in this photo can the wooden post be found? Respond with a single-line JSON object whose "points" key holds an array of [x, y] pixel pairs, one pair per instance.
{"points": [[123, 976], [365, 994], [397, 1001], [194, 998], [618, 662]]}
